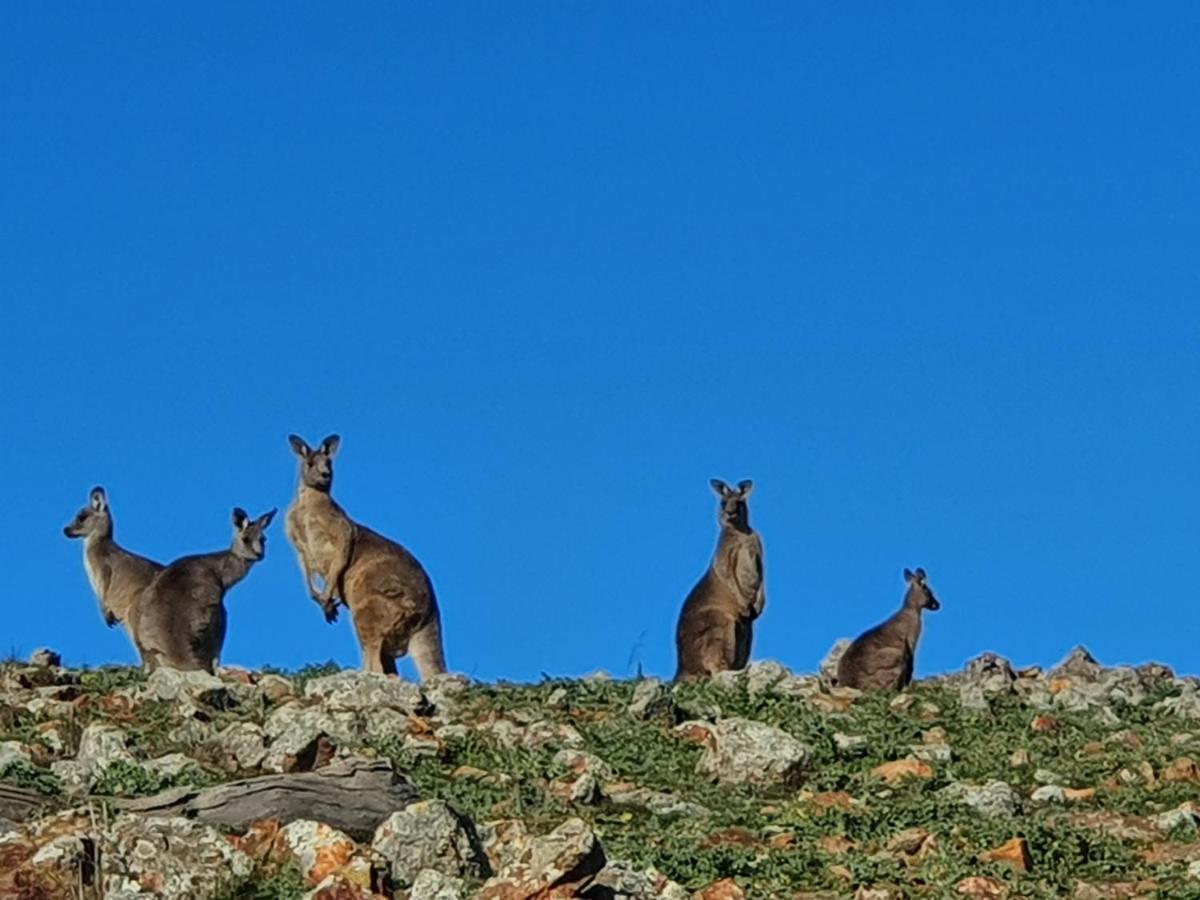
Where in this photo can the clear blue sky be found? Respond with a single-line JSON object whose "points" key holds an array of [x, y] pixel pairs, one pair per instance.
{"points": [[929, 276]]}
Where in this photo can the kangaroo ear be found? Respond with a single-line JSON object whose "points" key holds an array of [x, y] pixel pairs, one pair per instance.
{"points": [[300, 448], [265, 519], [908, 575], [240, 518], [920, 573], [98, 499], [720, 487], [745, 487], [330, 445]]}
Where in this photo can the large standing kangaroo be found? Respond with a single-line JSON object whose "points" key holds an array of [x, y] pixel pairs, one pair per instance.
{"points": [[116, 575], [716, 625], [389, 593], [180, 618], [883, 657]]}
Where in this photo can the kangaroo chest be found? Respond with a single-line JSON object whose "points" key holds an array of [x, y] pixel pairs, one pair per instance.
{"points": [[95, 572], [322, 531]]}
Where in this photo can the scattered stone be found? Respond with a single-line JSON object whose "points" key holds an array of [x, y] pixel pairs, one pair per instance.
{"points": [[741, 751], [45, 658], [354, 691], [650, 698], [829, 664], [321, 851], [725, 889], [431, 884], [899, 769], [850, 744], [1014, 853], [982, 887], [553, 866], [429, 835], [996, 799]]}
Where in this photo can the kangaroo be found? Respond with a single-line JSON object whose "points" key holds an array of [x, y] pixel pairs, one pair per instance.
{"points": [[116, 575], [715, 627], [180, 618], [883, 657], [389, 593], [318, 528]]}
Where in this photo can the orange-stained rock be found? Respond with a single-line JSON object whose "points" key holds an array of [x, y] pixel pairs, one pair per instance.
{"points": [[832, 800], [781, 841], [1043, 723], [1078, 795], [1182, 769], [982, 887], [836, 844], [911, 846], [725, 889], [1058, 685], [899, 769], [1015, 853]]}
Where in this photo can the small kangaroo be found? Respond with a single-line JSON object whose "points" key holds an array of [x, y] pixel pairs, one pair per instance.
{"points": [[715, 627], [318, 528], [389, 593], [882, 658], [180, 618], [116, 575]]}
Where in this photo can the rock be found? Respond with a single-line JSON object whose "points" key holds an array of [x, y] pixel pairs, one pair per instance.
{"points": [[996, 799], [849, 744], [504, 842], [762, 677], [431, 884], [321, 851], [553, 867], [741, 751], [911, 846], [243, 745], [1014, 853], [725, 889], [295, 731], [429, 835], [175, 767], [1182, 769], [171, 684], [622, 881], [557, 699], [1079, 663], [45, 658], [899, 769], [584, 775], [180, 858], [1186, 815], [1049, 793], [991, 673], [12, 752], [354, 691], [275, 688], [650, 698], [829, 664], [982, 888], [1186, 705], [657, 803]]}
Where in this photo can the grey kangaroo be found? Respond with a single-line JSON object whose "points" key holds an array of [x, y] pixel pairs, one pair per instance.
{"points": [[389, 593], [180, 618], [882, 658], [116, 575], [318, 527], [716, 625]]}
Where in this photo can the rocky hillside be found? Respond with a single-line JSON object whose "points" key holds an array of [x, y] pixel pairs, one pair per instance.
{"points": [[1077, 782]]}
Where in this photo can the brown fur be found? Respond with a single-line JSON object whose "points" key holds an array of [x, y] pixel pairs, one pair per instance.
{"points": [[117, 576], [317, 527], [180, 618], [715, 627], [883, 657], [389, 593]]}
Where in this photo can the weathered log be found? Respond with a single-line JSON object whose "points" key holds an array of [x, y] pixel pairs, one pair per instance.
{"points": [[353, 795], [18, 804]]}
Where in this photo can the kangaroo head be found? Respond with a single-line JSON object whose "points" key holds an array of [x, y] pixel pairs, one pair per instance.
{"points": [[316, 466], [93, 519], [249, 535], [734, 513], [919, 595]]}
